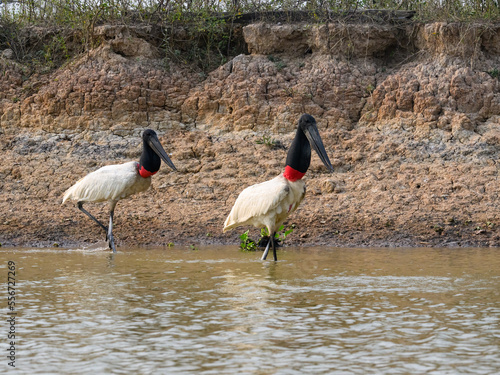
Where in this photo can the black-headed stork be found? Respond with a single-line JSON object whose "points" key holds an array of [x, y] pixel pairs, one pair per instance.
{"points": [[114, 182], [269, 203]]}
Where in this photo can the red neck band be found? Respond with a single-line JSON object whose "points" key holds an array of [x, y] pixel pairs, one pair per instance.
{"points": [[292, 174], [143, 172]]}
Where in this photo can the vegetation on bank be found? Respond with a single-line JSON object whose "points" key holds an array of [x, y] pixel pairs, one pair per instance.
{"points": [[211, 38], [85, 13]]}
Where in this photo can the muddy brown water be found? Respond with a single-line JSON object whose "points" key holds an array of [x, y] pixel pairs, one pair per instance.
{"points": [[216, 310]]}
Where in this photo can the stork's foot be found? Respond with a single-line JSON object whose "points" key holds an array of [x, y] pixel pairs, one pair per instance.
{"points": [[111, 242]]}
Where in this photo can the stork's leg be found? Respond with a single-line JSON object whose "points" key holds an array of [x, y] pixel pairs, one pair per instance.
{"points": [[80, 207], [266, 251], [274, 247], [110, 230], [269, 243]]}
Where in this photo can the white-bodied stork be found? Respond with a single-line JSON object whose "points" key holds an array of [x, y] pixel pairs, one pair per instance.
{"points": [[114, 182], [269, 203]]}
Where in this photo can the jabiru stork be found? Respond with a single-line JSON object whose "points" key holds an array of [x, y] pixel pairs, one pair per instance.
{"points": [[269, 203], [114, 182]]}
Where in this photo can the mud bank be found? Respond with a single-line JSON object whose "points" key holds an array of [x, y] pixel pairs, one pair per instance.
{"points": [[409, 114]]}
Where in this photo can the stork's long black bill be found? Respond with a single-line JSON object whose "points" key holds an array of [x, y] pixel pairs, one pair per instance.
{"points": [[314, 138], [155, 144]]}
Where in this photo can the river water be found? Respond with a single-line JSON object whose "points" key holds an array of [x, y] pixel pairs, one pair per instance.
{"points": [[216, 310]]}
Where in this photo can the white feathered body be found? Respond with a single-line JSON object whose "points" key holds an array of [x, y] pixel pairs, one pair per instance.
{"points": [[109, 183], [266, 204]]}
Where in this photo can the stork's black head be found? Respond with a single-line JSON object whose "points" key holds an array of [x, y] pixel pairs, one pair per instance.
{"points": [[152, 154], [299, 154]]}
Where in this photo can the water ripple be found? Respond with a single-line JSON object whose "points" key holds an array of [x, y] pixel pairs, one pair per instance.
{"points": [[218, 311]]}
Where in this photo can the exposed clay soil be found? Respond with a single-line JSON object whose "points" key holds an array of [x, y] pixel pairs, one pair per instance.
{"points": [[409, 115]]}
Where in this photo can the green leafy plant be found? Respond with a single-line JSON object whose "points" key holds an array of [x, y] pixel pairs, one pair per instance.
{"points": [[281, 234], [265, 140], [280, 64], [494, 73], [268, 141], [246, 243], [56, 51]]}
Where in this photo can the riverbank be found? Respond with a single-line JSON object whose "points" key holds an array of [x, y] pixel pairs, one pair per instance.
{"points": [[409, 115]]}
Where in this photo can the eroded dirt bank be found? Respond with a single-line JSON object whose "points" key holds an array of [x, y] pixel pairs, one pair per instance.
{"points": [[409, 115]]}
